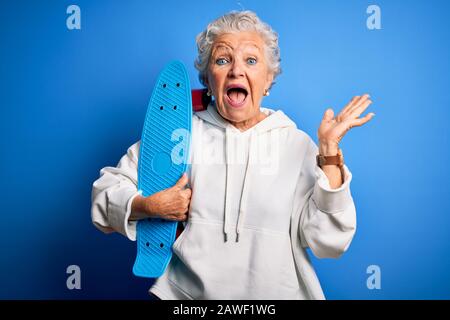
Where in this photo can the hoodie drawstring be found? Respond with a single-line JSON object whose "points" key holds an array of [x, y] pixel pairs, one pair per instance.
{"points": [[227, 183], [244, 195]]}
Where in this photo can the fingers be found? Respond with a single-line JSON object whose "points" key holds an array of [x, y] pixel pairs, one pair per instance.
{"points": [[348, 106], [181, 217], [360, 121], [186, 193], [182, 182], [357, 111], [178, 211], [328, 115], [183, 213], [360, 106], [181, 206], [357, 103], [176, 217]]}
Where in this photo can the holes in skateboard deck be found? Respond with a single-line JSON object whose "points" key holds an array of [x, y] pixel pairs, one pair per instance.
{"points": [[161, 245], [178, 85]]}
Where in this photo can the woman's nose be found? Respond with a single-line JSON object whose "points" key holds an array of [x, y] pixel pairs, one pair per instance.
{"points": [[236, 69]]}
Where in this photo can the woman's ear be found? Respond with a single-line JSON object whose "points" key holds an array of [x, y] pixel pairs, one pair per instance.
{"points": [[269, 81], [206, 82]]}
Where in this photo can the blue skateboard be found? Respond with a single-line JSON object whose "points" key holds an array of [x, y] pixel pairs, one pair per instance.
{"points": [[163, 158]]}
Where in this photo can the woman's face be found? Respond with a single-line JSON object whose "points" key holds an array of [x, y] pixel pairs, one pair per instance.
{"points": [[238, 76]]}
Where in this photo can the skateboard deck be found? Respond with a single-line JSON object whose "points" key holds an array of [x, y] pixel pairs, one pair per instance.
{"points": [[163, 158]]}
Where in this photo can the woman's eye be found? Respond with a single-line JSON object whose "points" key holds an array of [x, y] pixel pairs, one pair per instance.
{"points": [[251, 61], [221, 61]]}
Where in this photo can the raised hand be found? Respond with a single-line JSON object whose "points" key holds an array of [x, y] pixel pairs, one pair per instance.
{"points": [[332, 129]]}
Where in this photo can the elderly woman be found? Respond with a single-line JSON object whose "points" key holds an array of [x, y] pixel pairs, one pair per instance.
{"points": [[262, 191]]}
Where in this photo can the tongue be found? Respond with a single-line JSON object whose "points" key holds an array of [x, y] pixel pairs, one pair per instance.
{"points": [[236, 96]]}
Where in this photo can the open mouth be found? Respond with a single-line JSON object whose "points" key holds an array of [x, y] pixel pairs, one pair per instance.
{"points": [[236, 95]]}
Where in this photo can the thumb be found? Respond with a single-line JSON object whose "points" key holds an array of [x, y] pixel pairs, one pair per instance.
{"points": [[182, 181], [328, 115]]}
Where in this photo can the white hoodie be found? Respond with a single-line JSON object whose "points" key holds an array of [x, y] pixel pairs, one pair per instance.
{"points": [[258, 200]]}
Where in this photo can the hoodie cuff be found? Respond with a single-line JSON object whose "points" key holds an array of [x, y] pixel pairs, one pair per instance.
{"points": [[332, 200], [120, 211]]}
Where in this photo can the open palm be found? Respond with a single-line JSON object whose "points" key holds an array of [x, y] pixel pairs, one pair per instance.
{"points": [[332, 129]]}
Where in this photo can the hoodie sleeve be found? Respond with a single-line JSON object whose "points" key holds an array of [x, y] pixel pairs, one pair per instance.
{"points": [[328, 216], [113, 193]]}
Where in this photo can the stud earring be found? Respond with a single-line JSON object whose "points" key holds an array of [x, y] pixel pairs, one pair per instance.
{"points": [[266, 92], [208, 93]]}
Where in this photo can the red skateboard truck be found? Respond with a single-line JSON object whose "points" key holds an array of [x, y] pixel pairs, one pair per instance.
{"points": [[200, 99]]}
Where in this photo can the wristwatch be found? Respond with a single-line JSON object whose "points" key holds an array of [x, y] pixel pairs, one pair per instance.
{"points": [[330, 160], [337, 160]]}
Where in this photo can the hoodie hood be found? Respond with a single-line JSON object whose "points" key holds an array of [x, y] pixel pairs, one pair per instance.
{"points": [[275, 120]]}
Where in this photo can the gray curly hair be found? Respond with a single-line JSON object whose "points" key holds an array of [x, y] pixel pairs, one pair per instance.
{"points": [[236, 21]]}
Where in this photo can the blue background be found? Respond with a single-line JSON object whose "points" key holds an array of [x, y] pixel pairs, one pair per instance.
{"points": [[73, 101]]}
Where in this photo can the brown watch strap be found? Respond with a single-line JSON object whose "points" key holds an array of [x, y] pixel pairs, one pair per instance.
{"points": [[330, 160]]}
